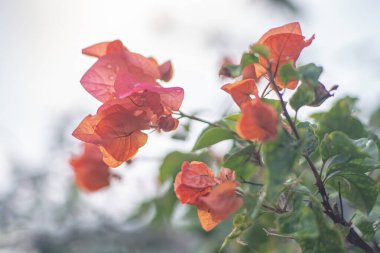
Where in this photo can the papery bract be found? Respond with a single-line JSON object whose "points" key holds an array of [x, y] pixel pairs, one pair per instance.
{"points": [[214, 197], [116, 130], [166, 71], [285, 44], [222, 201], [225, 174], [241, 91], [206, 219], [168, 123], [194, 180], [104, 48], [121, 134], [258, 121], [91, 173], [116, 61]]}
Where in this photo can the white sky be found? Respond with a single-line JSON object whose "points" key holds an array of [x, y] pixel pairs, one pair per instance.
{"points": [[41, 61]]}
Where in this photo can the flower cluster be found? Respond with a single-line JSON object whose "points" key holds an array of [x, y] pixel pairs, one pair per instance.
{"points": [[259, 120], [133, 101], [214, 196]]}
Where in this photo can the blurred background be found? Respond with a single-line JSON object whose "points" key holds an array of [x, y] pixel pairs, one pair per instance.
{"points": [[42, 101]]}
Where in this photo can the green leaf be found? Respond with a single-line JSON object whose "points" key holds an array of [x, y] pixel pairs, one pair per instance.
{"points": [[341, 154], [329, 239], [341, 163], [279, 157], [310, 73], [173, 161], [241, 222], [233, 117], [369, 147], [365, 226], [275, 103], [338, 143], [340, 118], [212, 135], [374, 121], [359, 189], [240, 160], [288, 73], [304, 95], [248, 59], [300, 223], [230, 70], [308, 134], [261, 50]]}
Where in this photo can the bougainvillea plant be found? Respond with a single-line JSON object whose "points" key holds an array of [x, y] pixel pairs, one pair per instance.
{"points": [[309, 186]]}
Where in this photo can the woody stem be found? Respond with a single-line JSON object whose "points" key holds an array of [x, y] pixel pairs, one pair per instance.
{"points": [[352, 236]]}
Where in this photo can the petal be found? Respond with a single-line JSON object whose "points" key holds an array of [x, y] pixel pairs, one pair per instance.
{"points": [[103, 48], [99, 80], [254, 71], [109, 160], [241, 91], [285, 47], [189, 195], [293, 28], [168, 123], [149, 66], [171, 98], [197, 175], [91, 173], [128, 80], [206, 220], [226, 174], [86, 130], [258, 121], [222, 201], [166, 71]]}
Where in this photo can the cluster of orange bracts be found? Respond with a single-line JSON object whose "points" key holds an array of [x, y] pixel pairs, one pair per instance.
{"points": [[214, 196], [259, 121], [133, 101]]}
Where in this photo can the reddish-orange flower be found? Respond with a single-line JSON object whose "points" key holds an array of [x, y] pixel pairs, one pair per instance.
{"points": [[194, 180], [134, 101], [215, 197], [241, 91], [258, 121], [285, 44], [91, 173]]}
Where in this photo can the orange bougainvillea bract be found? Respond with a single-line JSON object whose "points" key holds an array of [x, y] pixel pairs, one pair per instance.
{"points": [[258, 121], [128, 85], [91, 173], [241, 91], [285, 44], [215, 197]]}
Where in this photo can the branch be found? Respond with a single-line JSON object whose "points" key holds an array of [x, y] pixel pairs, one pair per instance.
{"points": [[352, 236]]}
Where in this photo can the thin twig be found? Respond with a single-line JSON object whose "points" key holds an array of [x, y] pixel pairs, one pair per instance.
{"points": [[243, 181], [265, 89], [269, 233], [340, 202], [184, 115], [352, 236]]}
